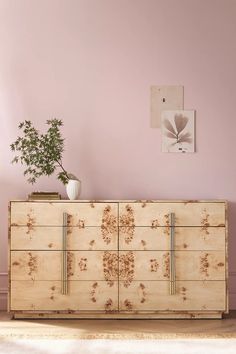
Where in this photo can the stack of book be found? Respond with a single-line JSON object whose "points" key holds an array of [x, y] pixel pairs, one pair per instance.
{"points": [[44, 196]]}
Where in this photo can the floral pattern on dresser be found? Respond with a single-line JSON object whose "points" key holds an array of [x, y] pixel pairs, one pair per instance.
{"points": [[127, 225], [109, 224]]}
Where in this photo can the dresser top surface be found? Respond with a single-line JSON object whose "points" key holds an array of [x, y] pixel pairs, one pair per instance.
{"points": [[122, 201]]}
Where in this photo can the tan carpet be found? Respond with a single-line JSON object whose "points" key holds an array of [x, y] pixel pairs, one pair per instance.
{"points": [[197, 346], [55, 335], [117, 329], [117, 336]]}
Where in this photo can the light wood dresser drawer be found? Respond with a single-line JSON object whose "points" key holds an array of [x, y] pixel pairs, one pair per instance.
{"points": [[190, 296], [32, 214], [186, 238], [186, 214], [50, 238]]}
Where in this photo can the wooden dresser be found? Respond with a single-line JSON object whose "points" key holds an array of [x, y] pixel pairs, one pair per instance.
{"points": [[118, 259]]}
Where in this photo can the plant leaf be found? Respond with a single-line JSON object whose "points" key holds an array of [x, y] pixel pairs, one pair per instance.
{"points": [[169, 126], [180, 122], [185, 138], [170, 135], [40, 153]]}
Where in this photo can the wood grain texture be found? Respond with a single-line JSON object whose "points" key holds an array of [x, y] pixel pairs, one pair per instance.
{"points": [[81, 265], [46, 296], [190, 296], [189, 265], [31, 214], [137, 315], [186, 214], [50, 238], [118, 259], [186, 238]]}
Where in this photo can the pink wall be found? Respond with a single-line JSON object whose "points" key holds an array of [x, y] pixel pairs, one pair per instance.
{"points": [[91, 63]]}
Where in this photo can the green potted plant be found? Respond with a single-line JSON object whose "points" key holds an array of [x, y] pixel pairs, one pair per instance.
{"points": [[42, 154]]}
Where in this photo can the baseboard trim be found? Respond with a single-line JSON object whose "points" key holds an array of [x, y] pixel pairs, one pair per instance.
{"points": [[3, 291], [3, 299]]}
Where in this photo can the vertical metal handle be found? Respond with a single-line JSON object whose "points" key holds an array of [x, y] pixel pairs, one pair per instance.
{"points": [[64, 277], [172, 254]]}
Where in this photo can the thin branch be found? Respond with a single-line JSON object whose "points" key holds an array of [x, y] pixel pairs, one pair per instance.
{"points": [[60, 164]]}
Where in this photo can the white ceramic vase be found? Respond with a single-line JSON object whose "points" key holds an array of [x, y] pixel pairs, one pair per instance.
{"points": [[73, 189]]}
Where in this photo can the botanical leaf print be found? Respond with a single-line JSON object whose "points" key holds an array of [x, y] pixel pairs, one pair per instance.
{"points": [[180, 122], [185, 138], [169, 126], [170, 135], [177, 131]]}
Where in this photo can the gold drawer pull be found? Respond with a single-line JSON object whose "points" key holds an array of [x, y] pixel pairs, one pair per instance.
{"points": [[64, 278], [172, 254]]}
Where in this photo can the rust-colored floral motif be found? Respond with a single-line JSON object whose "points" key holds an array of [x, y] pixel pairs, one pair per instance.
{"points": [[155, 224], [204, 264], [70, 311], [109, 224], [83, 264], [30, 222], [154, 265], [70, 264], [80, 224], [93, 292], [109, 305], [167, 219], [32, 263], [127, 225], [183, 291], [122, 266], [205, 222], [110, 267], [166, 230], [143, 293], [190, 201], [143, 244], [50, 245], [126, 268], [91, 244], [220, 264], [70, 222], [53, 288], [128, 305], [166, 265], [144, 202], [69, 219], [167, 223], [16, 263]]}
